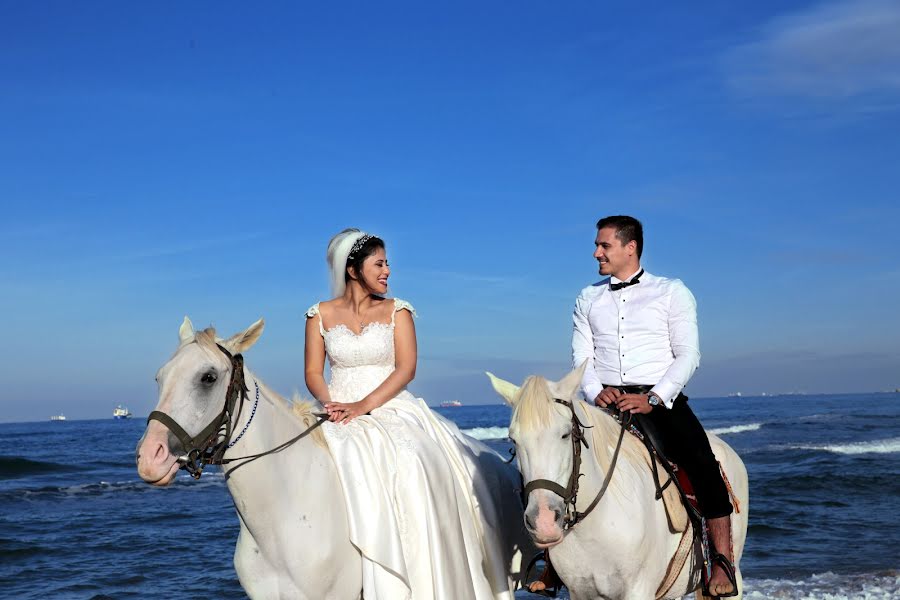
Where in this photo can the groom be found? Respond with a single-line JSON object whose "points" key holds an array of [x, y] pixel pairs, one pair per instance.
{"points": [[638, 333]]}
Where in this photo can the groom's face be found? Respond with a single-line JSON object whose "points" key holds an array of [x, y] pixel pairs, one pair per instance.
{"points": [[613, 256]]}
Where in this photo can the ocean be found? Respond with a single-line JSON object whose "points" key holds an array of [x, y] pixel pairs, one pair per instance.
{"points": [[76, 522]]}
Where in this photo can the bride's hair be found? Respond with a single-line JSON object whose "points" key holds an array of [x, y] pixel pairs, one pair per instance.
{"points": [[345, 251]]}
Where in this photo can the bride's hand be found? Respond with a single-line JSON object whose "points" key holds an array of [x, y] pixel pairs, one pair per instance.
{"points": [[344, 413]]}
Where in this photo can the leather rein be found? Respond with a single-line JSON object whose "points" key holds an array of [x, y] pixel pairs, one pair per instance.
{"points": [[569, 494], [209, 446]]}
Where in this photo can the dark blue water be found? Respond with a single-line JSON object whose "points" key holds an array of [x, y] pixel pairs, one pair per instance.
{"points": [[76, 521]]}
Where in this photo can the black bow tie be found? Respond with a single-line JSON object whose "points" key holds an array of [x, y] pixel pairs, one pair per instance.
{"points": [[624, 284]]}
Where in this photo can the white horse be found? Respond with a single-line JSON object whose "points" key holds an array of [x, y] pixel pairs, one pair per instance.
{"points": [[294, 539], [623, 548]]}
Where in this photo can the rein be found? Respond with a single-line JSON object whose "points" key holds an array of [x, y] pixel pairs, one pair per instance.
{"points": [[569, 494], [209, 446]]}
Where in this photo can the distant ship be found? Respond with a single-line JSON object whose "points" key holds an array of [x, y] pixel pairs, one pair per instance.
{"points": [[451, 404], [121, 412], [59, 417]]}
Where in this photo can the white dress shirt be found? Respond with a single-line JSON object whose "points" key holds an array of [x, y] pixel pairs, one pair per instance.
{"points": [[644, 334]]}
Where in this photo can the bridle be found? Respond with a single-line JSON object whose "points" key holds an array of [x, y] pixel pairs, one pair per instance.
{"points": [[209, 446], [569, 494]]}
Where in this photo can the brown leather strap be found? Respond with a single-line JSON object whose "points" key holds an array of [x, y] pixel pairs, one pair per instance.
{"points": [[547, 484], [676, 564], [609, 472]]}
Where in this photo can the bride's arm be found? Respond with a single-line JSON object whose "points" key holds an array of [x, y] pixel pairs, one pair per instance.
{"points": [[405, 357], [314, 361]]}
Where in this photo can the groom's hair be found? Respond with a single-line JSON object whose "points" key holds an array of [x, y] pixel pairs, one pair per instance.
{"points": [[627, 229]]}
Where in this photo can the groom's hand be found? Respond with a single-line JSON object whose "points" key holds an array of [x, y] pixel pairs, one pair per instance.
{"points": [[634, 403], [606, 397]]}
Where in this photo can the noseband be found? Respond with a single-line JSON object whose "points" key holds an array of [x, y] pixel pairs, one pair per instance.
{"points": [[569, 494], [208, 447]]}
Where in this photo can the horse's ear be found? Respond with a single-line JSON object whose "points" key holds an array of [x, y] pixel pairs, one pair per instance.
{"points": [[186, 331], [569, 387], [504, 388], [240, 342]]}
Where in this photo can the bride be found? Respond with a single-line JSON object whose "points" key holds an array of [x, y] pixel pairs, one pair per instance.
{"points": [[416, 512]]}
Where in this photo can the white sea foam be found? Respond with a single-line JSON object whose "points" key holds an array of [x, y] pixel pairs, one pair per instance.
{"points": [[890, 446], [827, 586], [736, 429], [823, 586], [501, 433], [488, 433]]}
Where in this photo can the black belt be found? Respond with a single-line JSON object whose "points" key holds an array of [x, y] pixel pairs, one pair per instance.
{"points": [[631, 389]]}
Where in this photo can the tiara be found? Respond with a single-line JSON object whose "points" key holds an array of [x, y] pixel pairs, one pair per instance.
{"points": [[357, 246]]}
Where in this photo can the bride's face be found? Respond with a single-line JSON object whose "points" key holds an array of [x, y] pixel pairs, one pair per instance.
{"points": [[375, 272]]}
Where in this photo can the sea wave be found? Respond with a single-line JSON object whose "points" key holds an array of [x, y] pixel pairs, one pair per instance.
{"points": [[828, 586], [487, 433], [736, 428], [501, 433], [100, 488], [12, 467], [889, 446], [822, 586]]}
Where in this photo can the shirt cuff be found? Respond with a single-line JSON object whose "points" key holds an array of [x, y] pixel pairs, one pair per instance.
{"points": [[667, 392], [591, 391]]}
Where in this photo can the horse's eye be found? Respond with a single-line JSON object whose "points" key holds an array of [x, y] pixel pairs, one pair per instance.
{"points": [[208, 378], [565, 436]]}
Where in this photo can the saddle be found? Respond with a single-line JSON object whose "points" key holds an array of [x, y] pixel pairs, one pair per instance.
{"points": [[674, 488]]}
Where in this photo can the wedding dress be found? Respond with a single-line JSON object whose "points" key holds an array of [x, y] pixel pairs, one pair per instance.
{"points": [[407, 475]]}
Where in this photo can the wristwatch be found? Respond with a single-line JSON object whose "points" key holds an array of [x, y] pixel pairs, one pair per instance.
{"points": [[653, 399]]}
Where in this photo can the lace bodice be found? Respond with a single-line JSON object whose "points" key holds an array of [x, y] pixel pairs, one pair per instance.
{"points": [[359, 362]]}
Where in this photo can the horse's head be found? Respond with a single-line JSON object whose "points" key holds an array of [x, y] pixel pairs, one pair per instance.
{"points": [[192, 391], [541, 429]]}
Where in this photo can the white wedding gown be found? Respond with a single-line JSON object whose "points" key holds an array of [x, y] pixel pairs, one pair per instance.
{"points": [[412, 502]]}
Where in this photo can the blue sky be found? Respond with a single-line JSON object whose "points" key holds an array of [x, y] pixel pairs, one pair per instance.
{"points": [[195, 159]]}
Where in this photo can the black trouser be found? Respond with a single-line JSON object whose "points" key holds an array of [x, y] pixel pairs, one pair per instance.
{"points": [[684, 442]]}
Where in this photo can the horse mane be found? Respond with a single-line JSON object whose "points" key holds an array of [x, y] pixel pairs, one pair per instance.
{"points": [[533, 409], [633, 455], [305, 409], [207, 339], [300, 408], [533, 406]]}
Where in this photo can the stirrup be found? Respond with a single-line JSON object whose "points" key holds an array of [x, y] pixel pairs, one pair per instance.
{"points": [[549, 591], [727, 566]]}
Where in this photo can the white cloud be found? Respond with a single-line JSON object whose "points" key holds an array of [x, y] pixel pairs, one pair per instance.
{"points": [[845, 51]]}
